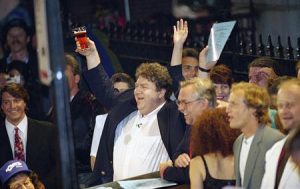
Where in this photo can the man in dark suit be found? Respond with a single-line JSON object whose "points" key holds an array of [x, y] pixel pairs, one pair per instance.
{"points": [[26, 139], [143, 127], [83, 108], [248, 111]]}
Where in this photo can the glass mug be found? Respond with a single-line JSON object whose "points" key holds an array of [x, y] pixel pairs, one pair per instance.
{"points": [[81, 36]]}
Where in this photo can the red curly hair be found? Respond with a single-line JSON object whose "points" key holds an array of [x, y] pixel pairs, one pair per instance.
{"points": [[211, 133]]}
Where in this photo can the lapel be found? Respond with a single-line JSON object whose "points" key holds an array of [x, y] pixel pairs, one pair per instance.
{"points": [[5, 147], [31, 140], [252, 155], [237, 160], [290, 168]]}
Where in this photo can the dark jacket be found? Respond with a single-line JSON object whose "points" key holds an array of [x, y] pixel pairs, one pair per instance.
{"points": [[180, 175], [170, 120], [41, 150]]}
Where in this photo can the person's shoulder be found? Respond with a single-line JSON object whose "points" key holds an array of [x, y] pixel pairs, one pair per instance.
{"points": [[272, 135], [38, 123]]}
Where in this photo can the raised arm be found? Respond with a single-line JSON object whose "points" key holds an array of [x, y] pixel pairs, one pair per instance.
{"points": [[204, 66], [96, 77], [91, 54], [179, 37]]}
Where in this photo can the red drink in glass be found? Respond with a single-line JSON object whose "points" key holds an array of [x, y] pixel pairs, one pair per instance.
{"points": [[81, 36]]}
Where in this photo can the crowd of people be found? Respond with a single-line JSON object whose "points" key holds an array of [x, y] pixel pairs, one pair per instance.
{"points": [[189, 121]]}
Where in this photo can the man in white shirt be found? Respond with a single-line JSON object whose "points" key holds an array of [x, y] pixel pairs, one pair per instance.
{"points": [[281, 171], [26, 139], [143, 128], [248, 111]]}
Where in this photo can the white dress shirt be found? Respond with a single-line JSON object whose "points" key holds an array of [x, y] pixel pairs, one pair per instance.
{"points": [[138, 147], [99, 125], [23, 127], [246, 144]]}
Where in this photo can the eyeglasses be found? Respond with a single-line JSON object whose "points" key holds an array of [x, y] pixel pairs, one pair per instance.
{"points": [[184, 103]]}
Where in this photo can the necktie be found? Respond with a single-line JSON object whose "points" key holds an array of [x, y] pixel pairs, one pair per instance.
{"points": [[19, 148]]}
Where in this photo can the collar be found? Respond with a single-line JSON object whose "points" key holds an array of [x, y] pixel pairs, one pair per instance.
{"points": [[9, 59], [155, 111], [22, 126]]}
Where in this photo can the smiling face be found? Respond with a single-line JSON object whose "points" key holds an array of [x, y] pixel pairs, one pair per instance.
{"points": [[288, 104], [222, 91], [17, 39], [146, 95], [190, 104], [13, 108], [189, 67]]}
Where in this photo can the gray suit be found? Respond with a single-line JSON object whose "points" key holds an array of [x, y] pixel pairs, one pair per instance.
{"points": [[263, 140]]}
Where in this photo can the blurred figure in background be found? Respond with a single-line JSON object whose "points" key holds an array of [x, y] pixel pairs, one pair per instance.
{"points": [[122, 81]]}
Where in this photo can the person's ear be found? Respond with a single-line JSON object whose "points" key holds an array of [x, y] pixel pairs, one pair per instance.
{"points": [[162, 93]]}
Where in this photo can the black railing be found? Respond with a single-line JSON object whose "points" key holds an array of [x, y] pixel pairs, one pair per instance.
{"points": [[143, 42]]}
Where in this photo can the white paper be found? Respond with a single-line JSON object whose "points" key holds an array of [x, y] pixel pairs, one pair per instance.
{"points": [[145, 183], [218, 37]]}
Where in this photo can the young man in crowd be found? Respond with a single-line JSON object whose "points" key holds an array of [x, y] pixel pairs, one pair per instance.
{"points": [[248, 111], [23, 138]]}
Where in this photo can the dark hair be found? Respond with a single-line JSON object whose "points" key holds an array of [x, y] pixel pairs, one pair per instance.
{"points": [[122, 77], [190, 52], [15, 90], [157, 74], [274, 84], [15, 23], [221, 74], [33, 177], [266, 62], [211, 133]]}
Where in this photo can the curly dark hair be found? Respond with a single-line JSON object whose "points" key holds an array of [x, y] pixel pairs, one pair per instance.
{"points": [[211, 133], [157, 74], [221, 74]]}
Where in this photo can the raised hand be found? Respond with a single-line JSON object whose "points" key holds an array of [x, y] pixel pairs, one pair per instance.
{"points": [[180, 32], [203, 60], [90, 53]]}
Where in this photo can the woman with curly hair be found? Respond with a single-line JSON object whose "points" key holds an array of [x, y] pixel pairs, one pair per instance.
{"points": [[212, 141], [15, 174]]}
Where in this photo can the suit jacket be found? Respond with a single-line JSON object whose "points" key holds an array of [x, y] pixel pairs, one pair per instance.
{"points": [[290, 177], [263, 140], [171, 122], [176, 174], [40, 150]]}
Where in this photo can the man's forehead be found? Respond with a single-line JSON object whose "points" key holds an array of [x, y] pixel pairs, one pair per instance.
{"points": [[291, 90], [16, 28], [261, 69], [189, 61]]}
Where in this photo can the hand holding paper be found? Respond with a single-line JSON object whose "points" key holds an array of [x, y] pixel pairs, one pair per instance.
{"points": [[218, 37]]}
